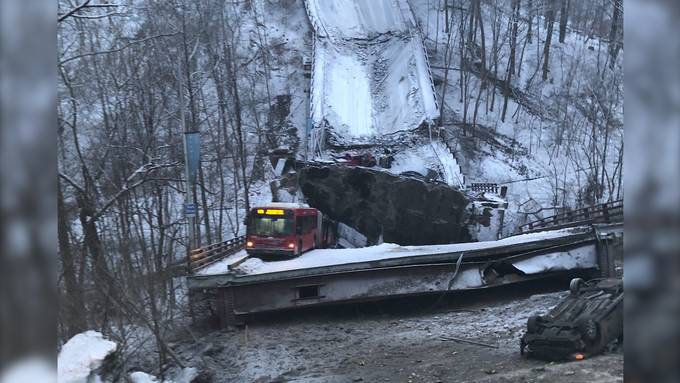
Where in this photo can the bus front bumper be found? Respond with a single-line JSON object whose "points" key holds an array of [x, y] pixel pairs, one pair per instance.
{"points": [[270, 251]]}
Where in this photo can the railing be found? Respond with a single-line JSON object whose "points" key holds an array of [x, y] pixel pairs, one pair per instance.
{"points": [[210, 254], [484, 187], [607, 212], [420, 40], [313, 133]]}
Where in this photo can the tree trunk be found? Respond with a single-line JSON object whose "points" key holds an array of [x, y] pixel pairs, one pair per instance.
{"points": [[530, 12], [447, 63], [483, 69], [446, 17], [511, 59], [548, 40], [564, 16], [240, 139], [76, 321], [614, 41]]}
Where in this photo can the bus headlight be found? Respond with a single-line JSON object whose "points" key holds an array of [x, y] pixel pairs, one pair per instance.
{"points": [[291, 245], [249, 244]]}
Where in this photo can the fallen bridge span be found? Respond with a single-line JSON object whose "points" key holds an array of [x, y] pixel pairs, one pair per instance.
{"points": [[333, 276]]}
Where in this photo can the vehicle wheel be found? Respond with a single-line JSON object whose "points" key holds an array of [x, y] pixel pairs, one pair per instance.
{"points": [[532, 324], [575, 286]]}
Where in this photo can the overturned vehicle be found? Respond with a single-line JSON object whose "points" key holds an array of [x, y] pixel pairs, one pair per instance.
{"points": [[581, 326]]}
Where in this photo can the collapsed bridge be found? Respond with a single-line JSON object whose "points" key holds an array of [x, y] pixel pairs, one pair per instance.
{"points": [[237, 285], [370, 72]]}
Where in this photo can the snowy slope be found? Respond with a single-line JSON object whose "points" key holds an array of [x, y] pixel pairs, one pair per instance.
{"points": [[542, 150], [429, 156], [370, 72]]}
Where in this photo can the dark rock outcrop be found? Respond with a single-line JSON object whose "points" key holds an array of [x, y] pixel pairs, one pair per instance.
{"points": [[404, 210]]}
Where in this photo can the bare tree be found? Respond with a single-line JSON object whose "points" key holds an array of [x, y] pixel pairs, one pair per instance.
{"points": [[550, 20], [564, 16], [511, 59], [614, 39]]}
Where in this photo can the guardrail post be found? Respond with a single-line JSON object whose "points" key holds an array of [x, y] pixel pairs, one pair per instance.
{"points": [[605, 212]]}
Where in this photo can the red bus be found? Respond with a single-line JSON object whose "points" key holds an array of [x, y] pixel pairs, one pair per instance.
{"points": [[285, 229]]}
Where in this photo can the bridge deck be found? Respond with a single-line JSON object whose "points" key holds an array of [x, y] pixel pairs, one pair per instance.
{"points": [[325, 261], [321, 258]]}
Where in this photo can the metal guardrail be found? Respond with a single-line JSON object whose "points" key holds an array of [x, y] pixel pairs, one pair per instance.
{"points": [[484, 187], [210, 254], [607, 212]]}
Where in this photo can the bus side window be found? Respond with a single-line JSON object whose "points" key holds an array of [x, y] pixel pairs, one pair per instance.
{"points": [[310, 223], [299, 228]]}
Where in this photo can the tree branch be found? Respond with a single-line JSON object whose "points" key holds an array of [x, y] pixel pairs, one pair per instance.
{"points": [[100, 16], [146, 169], [84, 5], [71, 182], [117, 49], [72, 11]]}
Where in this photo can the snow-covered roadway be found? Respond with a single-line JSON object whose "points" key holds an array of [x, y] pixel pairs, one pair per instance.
{"points": [[370, 72]]}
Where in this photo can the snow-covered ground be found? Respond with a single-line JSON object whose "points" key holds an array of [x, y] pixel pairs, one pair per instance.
{"points": [[370, 72], [329, 257], [433, 155], [394, 343]]}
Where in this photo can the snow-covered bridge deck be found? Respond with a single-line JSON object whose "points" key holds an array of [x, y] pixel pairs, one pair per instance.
{"points": [[370, 72], [385, 254], [346, 275]]}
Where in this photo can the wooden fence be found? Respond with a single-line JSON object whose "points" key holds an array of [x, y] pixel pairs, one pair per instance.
{"points": [[210, 254]]}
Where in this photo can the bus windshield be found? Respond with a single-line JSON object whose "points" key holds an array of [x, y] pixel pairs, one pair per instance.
{"points": [[271, 226]]}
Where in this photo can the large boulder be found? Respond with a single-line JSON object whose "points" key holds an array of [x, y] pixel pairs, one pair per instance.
{"points": [[405, 210]]}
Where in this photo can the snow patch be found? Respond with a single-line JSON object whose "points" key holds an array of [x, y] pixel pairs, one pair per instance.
{"points": [[81, 356], [584, 257], [186, 375], [222, 266]]}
